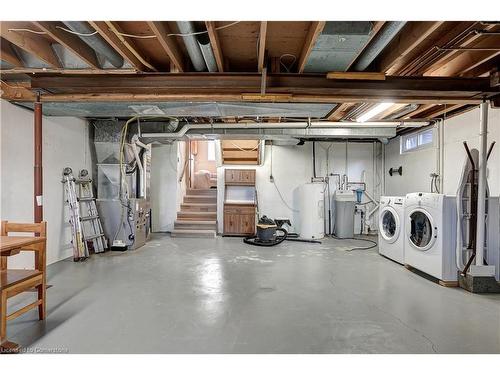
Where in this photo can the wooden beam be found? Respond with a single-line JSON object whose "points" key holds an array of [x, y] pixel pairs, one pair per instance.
{"points": [[420, 109], [64, 71], [116, 43], [392, 109], [8, 54], [404, 89], [15, 92], [440, 110], [168, 44], [377, 26], [312, 35], [32, 43], [484, 69], [262, 45], [447, 56], [424, 54], [70, 41], [370, 76], [463, 61], [340, 111], [216, 46], [113, 26], [235, 97], [412, 35]]}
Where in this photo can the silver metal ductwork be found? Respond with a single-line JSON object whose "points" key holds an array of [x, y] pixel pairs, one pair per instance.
{"points": [[402, 112], [192, 45], [207, 52], [313, 129], [96, 42], [381, 40]]}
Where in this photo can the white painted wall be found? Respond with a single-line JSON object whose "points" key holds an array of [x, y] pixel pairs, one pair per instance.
{"points": [[419, 164], [466, 128], [417, 167], [167, 192], [292, 167], [65, 143]]}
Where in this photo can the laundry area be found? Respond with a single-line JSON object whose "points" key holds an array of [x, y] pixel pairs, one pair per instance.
{"points": [[250, 187]]}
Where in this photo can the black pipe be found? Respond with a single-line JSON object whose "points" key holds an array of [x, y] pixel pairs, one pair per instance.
{"points": [[490, 150], [470, 156], [302, 240], [314, 159]]}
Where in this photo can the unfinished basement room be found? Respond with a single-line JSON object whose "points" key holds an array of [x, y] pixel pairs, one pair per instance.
{"points": [[249, 186]]}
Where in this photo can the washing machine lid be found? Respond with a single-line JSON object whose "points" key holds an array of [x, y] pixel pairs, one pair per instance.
{"points": [[389, 224], [421, 230]]}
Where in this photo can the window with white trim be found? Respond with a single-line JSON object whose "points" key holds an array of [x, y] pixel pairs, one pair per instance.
{"points": [[417, 141]]}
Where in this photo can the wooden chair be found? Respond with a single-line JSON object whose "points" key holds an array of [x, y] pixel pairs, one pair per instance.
{"points": [[15, 281]]}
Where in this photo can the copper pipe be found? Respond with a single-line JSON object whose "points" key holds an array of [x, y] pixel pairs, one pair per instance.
{"points": [[38, 173]]}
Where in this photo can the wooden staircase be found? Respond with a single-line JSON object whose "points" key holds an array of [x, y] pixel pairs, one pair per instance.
{"points": [[198, 215]]}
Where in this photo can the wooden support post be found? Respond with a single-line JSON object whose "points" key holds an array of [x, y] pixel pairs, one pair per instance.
{"points": [[38, 173]]}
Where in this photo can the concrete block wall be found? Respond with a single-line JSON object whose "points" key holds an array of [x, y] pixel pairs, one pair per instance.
{"points": [[65, 143]]}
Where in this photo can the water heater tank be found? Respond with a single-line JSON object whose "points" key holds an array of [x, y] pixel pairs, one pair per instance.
{"points": [[312, 210]]}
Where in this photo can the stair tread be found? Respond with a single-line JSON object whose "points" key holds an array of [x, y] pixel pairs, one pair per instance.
{"points": [[193, 222], [199, 204], [204, 233], [194, 230]]}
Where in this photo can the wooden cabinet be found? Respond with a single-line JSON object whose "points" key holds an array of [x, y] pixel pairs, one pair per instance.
{"points": [[245, 177], [239, 219]]}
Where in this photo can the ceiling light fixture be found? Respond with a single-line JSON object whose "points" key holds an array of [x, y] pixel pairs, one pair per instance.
{"points": [[374, 111]]}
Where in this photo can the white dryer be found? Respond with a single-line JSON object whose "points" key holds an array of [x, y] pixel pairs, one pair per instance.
{"points": [[391, 228], [430, 234]]}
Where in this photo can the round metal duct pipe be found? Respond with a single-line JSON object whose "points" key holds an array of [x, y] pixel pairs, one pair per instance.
{"points": [[192, 46], [207, 52], [96, 42], [381, 40]]}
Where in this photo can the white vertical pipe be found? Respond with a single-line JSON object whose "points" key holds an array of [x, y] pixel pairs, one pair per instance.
{"points": [[481, 192], [441, 131], [383, 169]]}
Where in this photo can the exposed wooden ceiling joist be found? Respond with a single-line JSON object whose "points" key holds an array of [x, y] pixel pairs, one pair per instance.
{"points": [[8, 53], [424, 54], [483, 69], [470, 40], [464, 61], [69, 41], [115, 42], [32, 43], [168, 44], [439, 110], [340, 111], [413, 34], [312, 35], [262, 45], [421, 109], [16, 92], [216, 45]]}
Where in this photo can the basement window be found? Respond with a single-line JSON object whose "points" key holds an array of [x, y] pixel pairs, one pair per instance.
{"points": [[417, 141]]}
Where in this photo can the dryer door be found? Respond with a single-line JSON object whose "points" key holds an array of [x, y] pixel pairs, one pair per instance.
{"points": [[421, 231], [389, 224]]}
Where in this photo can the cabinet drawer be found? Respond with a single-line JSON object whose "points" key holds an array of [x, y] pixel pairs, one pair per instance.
{"points": [[239, 177], [238, 210]]}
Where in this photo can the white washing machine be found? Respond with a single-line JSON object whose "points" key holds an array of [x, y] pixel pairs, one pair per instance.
{"points": [[391, 232], [430, 234]]}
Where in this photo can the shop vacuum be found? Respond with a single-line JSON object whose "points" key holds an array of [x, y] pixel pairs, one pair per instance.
{"points": [[267, 233]]}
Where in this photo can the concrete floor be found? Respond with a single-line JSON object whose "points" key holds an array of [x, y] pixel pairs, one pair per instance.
{"points": [[222, 296]]}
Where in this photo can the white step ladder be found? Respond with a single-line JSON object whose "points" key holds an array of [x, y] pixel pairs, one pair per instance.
{"points": [[85, 223]]}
